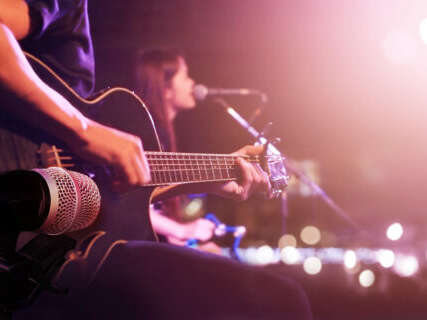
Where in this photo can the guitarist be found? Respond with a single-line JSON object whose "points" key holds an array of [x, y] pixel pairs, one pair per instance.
{"points": [[152, 281]]}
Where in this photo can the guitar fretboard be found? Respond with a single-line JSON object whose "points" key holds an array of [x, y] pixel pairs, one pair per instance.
{"points": [[174, 168]]}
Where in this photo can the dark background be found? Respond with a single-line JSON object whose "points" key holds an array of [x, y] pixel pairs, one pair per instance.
{"points": [[346, 84]]}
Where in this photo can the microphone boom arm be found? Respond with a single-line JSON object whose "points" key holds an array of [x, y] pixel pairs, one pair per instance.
{"points": [[260, 138]]}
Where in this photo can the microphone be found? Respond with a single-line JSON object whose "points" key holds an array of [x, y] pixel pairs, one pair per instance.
{"points": [[52, 201], [201, 92]]}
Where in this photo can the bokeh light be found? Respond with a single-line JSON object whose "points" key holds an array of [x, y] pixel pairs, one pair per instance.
{"points": [[386, 258], [406, 266], [310, 235], [312, 265], [290, 255], [350, 259], [264, 255], [251, 255], [366, 278], [287, 240], [395, 231]]}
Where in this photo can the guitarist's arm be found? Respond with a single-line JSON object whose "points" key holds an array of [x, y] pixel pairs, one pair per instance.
{"points": [[53, 112], [253, 180]]}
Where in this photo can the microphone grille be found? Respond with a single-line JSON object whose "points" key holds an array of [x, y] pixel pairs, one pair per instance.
{"points": [[200, 91], [90, 201], [71, 196]]}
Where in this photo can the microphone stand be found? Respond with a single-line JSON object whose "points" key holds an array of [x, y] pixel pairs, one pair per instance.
{"points": [[289, 164]]}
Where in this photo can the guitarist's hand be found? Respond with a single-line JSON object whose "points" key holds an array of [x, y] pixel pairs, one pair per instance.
{"points": [[120, 151], [253, 179]]}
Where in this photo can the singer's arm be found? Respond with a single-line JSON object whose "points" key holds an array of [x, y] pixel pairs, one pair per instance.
{"points": [[53, 112]]}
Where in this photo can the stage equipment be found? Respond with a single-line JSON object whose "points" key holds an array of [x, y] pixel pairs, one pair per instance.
{"points": [[201, 92], [52, 201]]}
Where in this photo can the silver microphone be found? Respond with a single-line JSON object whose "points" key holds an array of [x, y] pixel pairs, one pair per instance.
{"points": [[75, 201], [52, 201], [201, 92]]}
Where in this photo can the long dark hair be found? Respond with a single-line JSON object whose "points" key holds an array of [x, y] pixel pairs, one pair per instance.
{"points": [[154, 71]]}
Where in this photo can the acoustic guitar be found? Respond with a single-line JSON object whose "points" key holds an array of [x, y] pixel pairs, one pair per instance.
{"points": [[124, 216]]}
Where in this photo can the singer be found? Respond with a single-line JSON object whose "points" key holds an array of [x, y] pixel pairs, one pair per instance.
{"points": [[145, 279], [162, 80]]}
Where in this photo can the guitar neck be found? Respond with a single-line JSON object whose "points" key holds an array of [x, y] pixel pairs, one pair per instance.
{"points": [[175, 168]]}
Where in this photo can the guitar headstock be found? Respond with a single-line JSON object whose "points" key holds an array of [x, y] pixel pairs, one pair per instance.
{"points": [[275, 166]]}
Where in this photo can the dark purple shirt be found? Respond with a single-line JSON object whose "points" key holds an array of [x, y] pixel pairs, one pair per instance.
{"points": [[60, 36]]}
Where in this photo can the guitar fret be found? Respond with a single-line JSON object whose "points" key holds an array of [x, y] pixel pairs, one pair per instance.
{"points": [[226, 162], [212, 168], [155, 178], [196, 170], [218, 168], [164, 167], [205, 168], [172, 168], [199, 177], [189, 169], [184, 168], [180, 168]]}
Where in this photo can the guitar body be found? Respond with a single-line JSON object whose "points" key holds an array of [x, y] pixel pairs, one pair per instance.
{"points": [[123, 215]]}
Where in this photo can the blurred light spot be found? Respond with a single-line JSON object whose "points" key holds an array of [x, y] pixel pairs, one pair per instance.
{"points": [[350, 259], [399, 47], [193, 207], [264, 255], [287, 240], [312, 265], [395, 231], [290, 255], [310, 235], [366, 278], [385, 257], [423, 30], [406, 266], [251, 255]]}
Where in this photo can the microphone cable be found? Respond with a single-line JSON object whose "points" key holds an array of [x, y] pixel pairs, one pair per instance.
{"points": [[221, 230]]}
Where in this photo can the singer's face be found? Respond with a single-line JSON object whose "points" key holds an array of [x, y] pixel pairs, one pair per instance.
{"points": [[180, 92]]}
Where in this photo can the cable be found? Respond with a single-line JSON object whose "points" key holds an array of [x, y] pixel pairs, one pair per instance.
{"points": [[220, 231]]}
